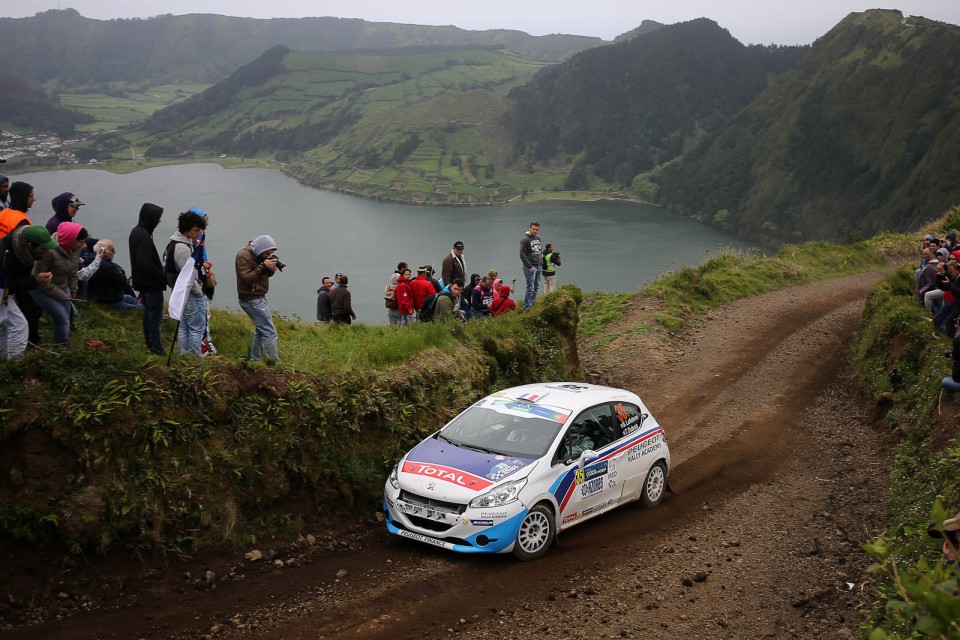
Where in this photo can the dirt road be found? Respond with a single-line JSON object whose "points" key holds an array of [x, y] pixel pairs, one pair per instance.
{"points": [[777, 477]]}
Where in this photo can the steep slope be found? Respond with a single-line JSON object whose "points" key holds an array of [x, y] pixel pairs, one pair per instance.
{"points": [[65, 47], [863, 135], [628, 107], [26, 108]]}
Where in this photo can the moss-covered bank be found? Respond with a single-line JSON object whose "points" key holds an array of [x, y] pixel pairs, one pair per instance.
{"points": [[103, 449]]}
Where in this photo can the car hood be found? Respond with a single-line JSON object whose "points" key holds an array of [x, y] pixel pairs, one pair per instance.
{"points": [[444, 471]]}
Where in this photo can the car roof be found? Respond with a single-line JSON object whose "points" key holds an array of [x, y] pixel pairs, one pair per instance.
{"points": [[568, 395]]}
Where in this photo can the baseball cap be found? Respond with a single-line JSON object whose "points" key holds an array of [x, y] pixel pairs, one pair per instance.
{"points": [[75, 201], [458, 245], [39, 235]]}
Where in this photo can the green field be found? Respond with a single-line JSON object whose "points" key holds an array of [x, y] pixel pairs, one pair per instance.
{"points": [[112, 112]]}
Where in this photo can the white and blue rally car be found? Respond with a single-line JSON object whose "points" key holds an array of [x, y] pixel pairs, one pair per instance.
{"points": [[522, 464]]}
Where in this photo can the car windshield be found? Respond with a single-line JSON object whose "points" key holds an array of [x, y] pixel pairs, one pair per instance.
{"points": [[507, 427]]}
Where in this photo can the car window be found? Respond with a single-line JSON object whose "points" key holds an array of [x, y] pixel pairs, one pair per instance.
{"points": [[593, 429], [629, 418], [508, 428]]}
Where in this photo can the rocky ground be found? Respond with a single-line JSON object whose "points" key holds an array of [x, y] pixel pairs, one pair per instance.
{"points": [[777, 477]]}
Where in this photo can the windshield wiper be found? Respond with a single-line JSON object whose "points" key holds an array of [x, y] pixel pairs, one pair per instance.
{"points": [[446, 439], [476, 447]]}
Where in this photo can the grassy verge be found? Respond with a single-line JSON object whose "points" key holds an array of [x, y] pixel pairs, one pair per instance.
{"points": [[114, 448]]}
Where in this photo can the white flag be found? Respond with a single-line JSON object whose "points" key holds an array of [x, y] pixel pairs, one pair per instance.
{"points": [[178, 299]]}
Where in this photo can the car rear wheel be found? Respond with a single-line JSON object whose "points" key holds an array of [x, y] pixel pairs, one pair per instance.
{"points": [[655, 485], [536, 534]]}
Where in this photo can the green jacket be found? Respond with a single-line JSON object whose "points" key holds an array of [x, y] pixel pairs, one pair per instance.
{"points": [[446, 307]]}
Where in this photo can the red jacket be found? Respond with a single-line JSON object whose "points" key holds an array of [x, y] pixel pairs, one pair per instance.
{"points": [[421, 289], [503, 303], [404, 296]]}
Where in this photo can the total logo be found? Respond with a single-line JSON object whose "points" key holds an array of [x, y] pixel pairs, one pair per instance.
{"points": [[447, 474]]}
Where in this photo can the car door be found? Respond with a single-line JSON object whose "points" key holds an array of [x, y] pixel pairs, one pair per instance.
{"points": [[641, 442], [595, 487]]}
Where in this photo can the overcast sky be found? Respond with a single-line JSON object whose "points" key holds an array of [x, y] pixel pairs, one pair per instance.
{"points": [[750, 21]]}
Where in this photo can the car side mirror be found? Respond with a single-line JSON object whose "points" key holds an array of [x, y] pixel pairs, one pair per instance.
{"points": [[587, 456]]}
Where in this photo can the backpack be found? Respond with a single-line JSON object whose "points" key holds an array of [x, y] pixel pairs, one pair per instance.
{"points": [[425, 314], [170, 265]]}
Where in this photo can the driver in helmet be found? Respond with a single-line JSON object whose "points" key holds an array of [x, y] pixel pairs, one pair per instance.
{"points": [[578, 439]]}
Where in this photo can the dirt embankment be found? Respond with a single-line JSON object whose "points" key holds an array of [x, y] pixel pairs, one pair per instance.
{"points": [[777, 477]]}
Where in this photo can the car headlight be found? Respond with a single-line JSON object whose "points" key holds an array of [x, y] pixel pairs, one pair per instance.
{"points": [[504, 494], [393, 479]]}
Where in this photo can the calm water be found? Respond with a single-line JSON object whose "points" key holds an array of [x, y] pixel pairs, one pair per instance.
{"points": [[604, 246]]}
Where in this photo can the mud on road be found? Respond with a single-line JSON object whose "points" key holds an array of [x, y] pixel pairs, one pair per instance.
{"points": [[777, 477]]}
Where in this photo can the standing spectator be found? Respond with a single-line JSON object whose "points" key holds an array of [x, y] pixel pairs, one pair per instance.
{"points": [[404, 296], [502, 303], [323, 299], [481, 297], [448, 301], [952, 382], [255, 265], [65, 208], [454, 265], [466, 297], [421, 287], [208, 283], [148, 276], [928, 275], [19, 250], [109, 284], [390, 301], [21, 198], [551, 260], [341, 303], [531, 257], [4, 190], [180, 249], [56, 297]]}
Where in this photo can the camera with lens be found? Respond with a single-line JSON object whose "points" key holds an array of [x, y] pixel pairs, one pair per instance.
{"points": [[280, 265]]}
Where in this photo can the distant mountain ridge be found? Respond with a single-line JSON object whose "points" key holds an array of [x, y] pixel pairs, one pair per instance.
{"points": [[64, 47], [861, 136]]}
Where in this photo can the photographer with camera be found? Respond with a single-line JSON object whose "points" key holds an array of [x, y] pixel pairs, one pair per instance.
{"points": [[255, 264]]}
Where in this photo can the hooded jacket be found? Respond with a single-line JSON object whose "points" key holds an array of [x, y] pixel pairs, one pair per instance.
{"points": [[62, 262], [502, 303], [145, 265], [421, 288], [253, 279], [16, 258], [182, 250], [404, 296], [59, 211], [15, 214], [530, 251]]}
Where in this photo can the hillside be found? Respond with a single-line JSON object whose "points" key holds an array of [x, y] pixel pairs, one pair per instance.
{"points": [[408, 124], [863, 134], [27, 108], [625, 108], [65, 48]]}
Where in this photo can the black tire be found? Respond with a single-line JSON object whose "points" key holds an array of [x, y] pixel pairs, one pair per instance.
{"points": [[536, 534], [655, 485]]}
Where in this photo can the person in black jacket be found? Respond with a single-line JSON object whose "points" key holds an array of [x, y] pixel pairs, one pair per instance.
{"points": [[19, 249], [148, 276], [109, 284], [324, 310]]}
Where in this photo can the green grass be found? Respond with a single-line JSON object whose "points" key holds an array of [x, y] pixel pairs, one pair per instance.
{"points": [[601, 309]]}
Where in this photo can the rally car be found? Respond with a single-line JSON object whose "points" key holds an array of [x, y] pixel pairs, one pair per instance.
{"points": [[522, 464]]}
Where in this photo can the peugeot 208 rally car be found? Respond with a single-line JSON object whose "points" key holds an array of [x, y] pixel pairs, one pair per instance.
{"points": [[522, 464]]}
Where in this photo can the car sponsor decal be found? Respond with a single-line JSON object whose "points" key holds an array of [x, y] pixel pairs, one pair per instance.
{"points": [[487, 467], [478, 523], [564, 487], [446, 474], [421, 538], [554, 414], [570, 518]]}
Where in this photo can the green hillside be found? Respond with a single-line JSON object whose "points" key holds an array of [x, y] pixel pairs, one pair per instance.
{"points": [[625, 108], [861, 136], [66, 49], [25, 108], [426, 125]]}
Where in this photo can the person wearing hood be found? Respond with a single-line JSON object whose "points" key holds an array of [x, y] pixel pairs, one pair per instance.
{"points": [[56, 297], [255, 265], [481, 297], [19, 250], [193, 321], [148, 277], [502, 303], [4, 190], [466, 296], [15, 214], [65, 208], [404, 297]]}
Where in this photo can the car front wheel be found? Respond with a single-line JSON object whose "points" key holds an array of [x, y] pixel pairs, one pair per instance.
{"points": [[655, 485], [536, 534]]}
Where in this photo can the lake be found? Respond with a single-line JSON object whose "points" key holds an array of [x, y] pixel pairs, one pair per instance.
{"points": [[604, 246]]}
